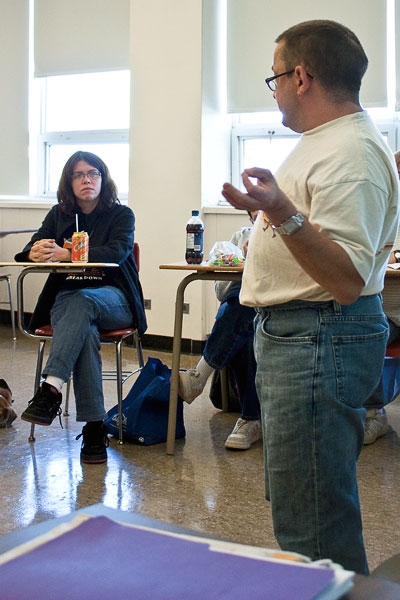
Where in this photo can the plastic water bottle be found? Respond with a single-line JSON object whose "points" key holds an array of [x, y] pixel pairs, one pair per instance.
{"points": [[194, 239]]}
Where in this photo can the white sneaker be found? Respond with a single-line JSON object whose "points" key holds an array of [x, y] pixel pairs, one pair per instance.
{"points": [[244, 434], [376, 425], [190, 385]]}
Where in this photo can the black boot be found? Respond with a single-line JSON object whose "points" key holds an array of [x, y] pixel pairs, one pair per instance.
{"points": [[94, 443]]}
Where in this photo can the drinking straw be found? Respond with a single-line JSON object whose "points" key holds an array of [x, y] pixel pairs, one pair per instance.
{"points": [[76, 219]]}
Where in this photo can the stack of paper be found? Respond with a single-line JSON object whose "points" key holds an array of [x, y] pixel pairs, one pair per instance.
{"points": [[99, 558]]}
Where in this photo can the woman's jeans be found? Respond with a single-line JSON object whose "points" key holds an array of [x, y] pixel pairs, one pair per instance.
{"points": [[231, 342], [376, 399], [317, 363], [76, 317]]}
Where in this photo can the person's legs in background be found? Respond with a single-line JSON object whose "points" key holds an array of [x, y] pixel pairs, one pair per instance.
{"points": [[247, 430], [230, 342], [376, 421]]}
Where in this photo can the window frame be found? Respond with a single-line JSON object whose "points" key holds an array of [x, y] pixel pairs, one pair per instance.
{"points": [[242, 133], [41, 141]]}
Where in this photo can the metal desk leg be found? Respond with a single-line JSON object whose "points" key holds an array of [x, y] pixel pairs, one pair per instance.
{"points": [[176, 347], [176, 355]]}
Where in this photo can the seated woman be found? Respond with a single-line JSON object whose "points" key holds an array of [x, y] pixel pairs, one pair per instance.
{"points": [[78, 306], [230, 343]]}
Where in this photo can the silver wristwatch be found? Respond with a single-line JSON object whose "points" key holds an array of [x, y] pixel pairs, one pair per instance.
{"points": [[291, 225]]}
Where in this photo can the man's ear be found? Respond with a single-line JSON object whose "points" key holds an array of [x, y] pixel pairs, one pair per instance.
{"points": [[303, 80]]}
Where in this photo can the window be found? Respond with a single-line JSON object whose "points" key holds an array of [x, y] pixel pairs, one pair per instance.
{"points": [[259, 140], [268, 151], [83, 112]]}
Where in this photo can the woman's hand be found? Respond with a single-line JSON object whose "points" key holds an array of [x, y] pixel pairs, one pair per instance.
{"points": [[48, 251]]}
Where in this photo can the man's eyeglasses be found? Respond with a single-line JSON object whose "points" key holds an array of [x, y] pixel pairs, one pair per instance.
{"points": [[271, 81], [92, 175], [273, 84]]}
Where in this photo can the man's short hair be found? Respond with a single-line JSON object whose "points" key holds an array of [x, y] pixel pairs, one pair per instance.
{"points": [[330, 52]]}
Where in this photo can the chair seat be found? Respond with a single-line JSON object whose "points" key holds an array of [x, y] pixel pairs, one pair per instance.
{"points": [[393, 350], [116, 334], [45, 331], [106, 335]]}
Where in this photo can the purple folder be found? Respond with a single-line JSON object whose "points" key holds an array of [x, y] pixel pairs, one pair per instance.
{"points": [[103, 559]]}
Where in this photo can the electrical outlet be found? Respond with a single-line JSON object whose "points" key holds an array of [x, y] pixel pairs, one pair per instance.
{"points": [[186, 308], [147, 304]]}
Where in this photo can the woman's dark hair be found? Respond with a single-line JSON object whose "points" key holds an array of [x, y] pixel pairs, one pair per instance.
{"points": [[66, 197], [330, 52]]}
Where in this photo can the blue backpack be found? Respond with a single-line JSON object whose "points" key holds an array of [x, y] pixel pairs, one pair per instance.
{"points": [[145, 408]]}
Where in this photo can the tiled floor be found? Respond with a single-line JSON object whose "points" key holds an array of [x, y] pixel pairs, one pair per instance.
{"points": [[203, 486]]}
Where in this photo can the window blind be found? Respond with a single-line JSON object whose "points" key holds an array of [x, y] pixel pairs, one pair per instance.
{"points": [[80, 37], [253, 25], [14, 35]]}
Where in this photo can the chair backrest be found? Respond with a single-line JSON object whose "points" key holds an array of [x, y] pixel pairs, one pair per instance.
{"points": [[136, 254]]}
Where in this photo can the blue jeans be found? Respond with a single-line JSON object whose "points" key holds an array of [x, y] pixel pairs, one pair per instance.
{"points": [[316, 365], [231, 342], [76, 317], [376, 399]]}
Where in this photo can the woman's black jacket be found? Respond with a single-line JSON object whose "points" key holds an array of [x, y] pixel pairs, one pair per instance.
{"points": [[111, 238]]}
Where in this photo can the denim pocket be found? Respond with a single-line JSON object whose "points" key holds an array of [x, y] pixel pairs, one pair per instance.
{"points": [[286, 352], [286, 328], [358, 363]]}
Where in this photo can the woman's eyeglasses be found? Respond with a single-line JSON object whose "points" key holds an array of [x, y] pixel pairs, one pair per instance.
{"points": [[92, 175]]}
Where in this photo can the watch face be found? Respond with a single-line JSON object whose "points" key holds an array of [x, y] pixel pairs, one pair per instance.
{"points": [[292, 225]]}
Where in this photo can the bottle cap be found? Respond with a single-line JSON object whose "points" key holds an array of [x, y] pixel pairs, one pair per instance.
{"points": [[195, 213]]}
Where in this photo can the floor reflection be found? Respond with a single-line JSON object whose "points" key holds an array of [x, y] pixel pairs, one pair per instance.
{"points": [[203, 486]]}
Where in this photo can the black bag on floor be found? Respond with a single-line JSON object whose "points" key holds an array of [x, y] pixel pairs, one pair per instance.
{"points": [[145, 408], [215, 391]]}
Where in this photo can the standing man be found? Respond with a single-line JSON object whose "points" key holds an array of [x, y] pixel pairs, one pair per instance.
{"points": [[314, 271]]}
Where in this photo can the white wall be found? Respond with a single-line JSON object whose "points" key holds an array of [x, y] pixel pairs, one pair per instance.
{"points": [[167, 153]]}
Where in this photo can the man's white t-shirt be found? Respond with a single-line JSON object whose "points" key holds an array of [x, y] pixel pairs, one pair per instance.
{"points": [[342, 177]]}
